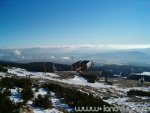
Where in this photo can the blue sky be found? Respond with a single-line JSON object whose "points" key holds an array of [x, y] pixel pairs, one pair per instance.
{"points": [[28, 23]]}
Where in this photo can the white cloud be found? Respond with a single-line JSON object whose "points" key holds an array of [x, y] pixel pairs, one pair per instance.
{"points": [[98, 46], [127, 46], [52, 57], [17, 52], [66, 58]]}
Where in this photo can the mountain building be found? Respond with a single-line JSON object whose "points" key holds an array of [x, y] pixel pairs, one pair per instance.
{"points": [[82, 65]]}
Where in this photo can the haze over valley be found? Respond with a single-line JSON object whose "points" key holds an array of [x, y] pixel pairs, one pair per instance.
{"points": [[69, 54]]}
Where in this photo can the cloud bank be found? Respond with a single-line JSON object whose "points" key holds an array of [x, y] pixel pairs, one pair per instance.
{"points": [[137, 46]]}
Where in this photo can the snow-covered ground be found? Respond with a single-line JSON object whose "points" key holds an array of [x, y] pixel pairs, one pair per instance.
{"points": [[15, 95], [146, 73], [41, 91], [23, 73], [55, 101], [39, 110], [143, 73], [76, 80], [2, 74], [58, 104], [83, 82], [134, 107]]}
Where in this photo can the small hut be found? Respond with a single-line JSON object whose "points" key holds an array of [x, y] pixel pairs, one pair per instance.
{"points": [[82, 65]]}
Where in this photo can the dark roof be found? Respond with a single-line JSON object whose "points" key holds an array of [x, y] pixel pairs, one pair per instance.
{"points": [[81, 62], [85, 61]]}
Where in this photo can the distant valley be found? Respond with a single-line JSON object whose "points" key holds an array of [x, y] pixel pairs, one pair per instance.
{"points": [[137, 57]]}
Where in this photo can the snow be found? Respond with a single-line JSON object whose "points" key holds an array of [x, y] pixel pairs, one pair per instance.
{"points": [[146, 73], [132, 105], [78, 79], [52, 74], [39, 110], [144, 98], [119, 101], [30, 102], [17, 71], [23, 73], [41, 91], [58, 104], [15, 96], [55, 101], [116, 75], [2, 74], [147, 89], [143, 73]]}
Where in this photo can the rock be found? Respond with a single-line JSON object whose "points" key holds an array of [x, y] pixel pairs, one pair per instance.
{"points": [[25, 109]]}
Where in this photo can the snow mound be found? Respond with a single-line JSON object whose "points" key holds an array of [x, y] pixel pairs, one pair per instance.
{"points": [[22, 72], [39, 110], [78, 79], [146, 73]]}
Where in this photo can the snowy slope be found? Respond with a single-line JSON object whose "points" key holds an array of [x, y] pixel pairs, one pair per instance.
{"points": [[133, 106], [76, 80], [23, 73], [16, 97], [81, 81]]}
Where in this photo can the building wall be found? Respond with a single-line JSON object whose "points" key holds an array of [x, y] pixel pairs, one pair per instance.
{"points": [[89, 64]]}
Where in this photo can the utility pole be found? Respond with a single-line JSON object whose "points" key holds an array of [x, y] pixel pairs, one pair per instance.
{"points": [[72, 58], [53, 67], [44, 67]]}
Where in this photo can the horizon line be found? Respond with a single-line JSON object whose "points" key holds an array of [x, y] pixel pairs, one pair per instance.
{"points": [[106, 46]]}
